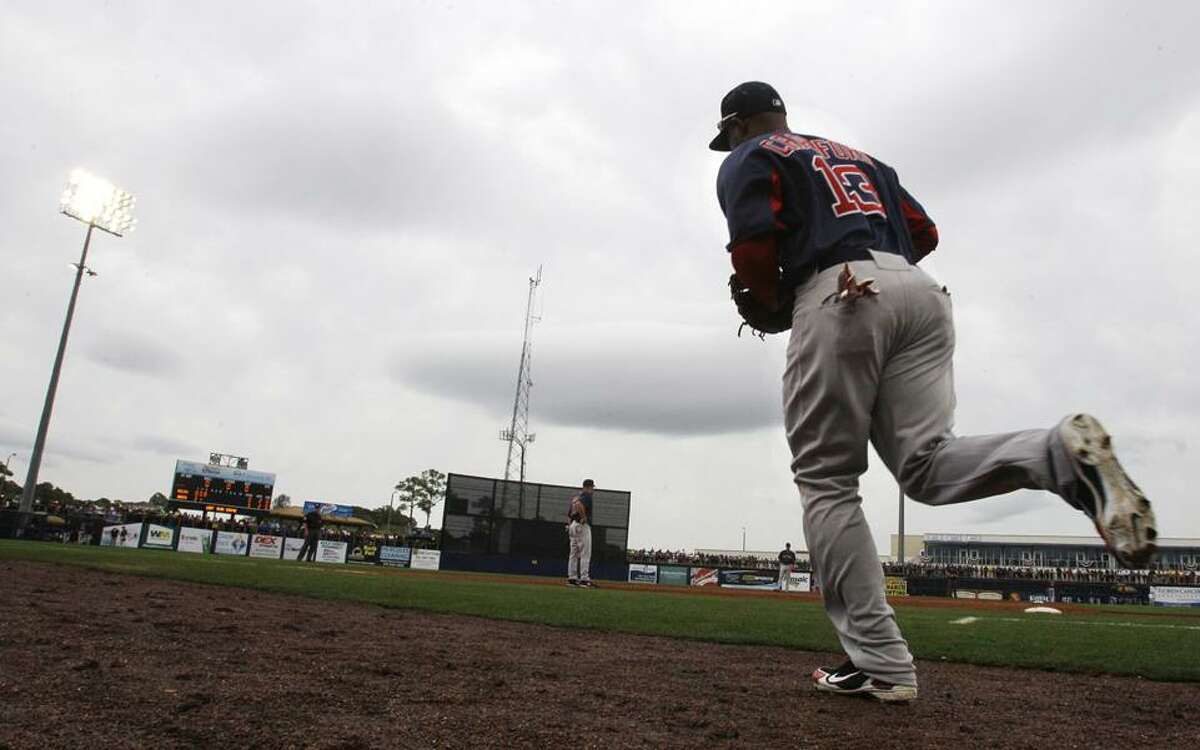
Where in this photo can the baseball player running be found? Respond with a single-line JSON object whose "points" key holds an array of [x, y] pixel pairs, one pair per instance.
{"points": [[824, 241], [579, 532]]}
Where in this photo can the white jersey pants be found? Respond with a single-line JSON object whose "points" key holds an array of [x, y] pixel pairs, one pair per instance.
{"points": [[579, 561]]}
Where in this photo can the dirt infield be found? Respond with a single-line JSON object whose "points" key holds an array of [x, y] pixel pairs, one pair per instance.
{"points": [[90, 659]]}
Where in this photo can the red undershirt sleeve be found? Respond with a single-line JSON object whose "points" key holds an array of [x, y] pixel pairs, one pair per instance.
{"points": [[756, 262]]}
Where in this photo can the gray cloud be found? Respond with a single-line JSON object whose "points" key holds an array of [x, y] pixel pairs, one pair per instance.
{"points": [[57, 446], [994, 510], [132, 352], [165, 445], [676, 382]]}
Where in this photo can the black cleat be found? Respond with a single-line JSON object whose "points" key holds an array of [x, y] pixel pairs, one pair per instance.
{"points": [[850, 680]]}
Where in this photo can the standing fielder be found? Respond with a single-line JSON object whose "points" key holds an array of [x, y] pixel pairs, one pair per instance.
{"points": [[787, 561], [824, 241], [579, 532]]}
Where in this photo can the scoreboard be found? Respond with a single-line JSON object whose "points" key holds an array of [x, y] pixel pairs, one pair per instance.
{"points": [[221, 489]]}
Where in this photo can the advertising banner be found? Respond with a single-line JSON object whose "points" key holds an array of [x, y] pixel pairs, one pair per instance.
{"points": [[328, 509], [396, 557], [749, 579], [704, 576], [159, 537], [365, 552], [426, 559], [231, 543], [672, 575], [895, 586], [195, 540], [798, 581], [267, 547], [1175, 596], [121, 535], [643, 573], [331, 552], [291, 547]]}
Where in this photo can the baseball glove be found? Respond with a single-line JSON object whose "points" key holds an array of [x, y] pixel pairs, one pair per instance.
{"points": [[761, 319]]}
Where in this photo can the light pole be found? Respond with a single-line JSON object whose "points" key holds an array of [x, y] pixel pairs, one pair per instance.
{"points": [[743, 539], [102, 206], [900, 557]]}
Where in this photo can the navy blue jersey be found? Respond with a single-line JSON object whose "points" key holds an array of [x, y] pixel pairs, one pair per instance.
{"points": [[818, 198]]}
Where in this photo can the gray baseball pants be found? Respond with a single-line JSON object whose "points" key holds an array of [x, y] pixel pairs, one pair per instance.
{"points": [[579, 557], [879, 369]]}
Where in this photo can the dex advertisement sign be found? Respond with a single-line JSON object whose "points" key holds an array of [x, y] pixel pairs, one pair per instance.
{"points": [[268, 547]]}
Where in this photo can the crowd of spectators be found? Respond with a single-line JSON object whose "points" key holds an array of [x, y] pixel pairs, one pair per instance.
{"points": [[1155, 575], [681, 557]]}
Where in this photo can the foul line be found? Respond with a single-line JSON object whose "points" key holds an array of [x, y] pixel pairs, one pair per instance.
{"points": [[1167, 626]]}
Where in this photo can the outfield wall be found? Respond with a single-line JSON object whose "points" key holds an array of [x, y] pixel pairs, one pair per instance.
{"points": [[189, 540]]}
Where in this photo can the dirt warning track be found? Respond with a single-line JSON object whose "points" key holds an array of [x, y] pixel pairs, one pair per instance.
{"points": [[91, 659]]}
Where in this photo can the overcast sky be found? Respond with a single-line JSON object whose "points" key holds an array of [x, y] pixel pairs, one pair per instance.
{"points": [[340, 206]]}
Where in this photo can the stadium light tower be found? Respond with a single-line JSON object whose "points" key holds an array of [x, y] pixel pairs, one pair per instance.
{"points": [[102, 206]]}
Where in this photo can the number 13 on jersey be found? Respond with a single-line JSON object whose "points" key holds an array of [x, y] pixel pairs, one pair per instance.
{"points": [[852, 190]]}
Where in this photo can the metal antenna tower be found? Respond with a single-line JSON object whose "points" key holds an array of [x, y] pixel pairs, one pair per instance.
{"points": [[518, 435]]}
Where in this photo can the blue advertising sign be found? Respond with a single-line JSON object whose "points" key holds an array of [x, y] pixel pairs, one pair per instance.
{"points": [[397, 557], [328, 509]]}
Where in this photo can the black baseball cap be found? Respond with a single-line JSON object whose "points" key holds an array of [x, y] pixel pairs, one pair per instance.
{"points": [[746, 99]]}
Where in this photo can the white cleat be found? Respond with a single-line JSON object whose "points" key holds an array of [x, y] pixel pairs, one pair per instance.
{"points": [[1121, 512]]}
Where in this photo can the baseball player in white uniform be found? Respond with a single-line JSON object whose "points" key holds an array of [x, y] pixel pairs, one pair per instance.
{"points": [[579, 532]]}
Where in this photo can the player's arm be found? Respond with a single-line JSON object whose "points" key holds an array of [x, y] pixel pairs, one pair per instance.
{"points": [[751, 196], [922, 229]]}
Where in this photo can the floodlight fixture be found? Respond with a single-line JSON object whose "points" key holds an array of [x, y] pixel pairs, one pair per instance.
{"points": [[97, 202]]}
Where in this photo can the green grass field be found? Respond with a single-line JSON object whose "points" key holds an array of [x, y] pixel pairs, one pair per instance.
{"points": [[1115, 640]]}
